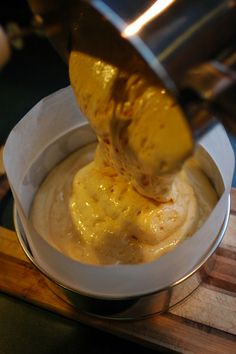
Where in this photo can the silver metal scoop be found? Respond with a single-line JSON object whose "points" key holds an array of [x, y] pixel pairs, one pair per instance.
{"points": [[189, 44]]}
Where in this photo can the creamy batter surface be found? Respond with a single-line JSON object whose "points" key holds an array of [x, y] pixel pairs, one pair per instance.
{"points": [[93, 215]]}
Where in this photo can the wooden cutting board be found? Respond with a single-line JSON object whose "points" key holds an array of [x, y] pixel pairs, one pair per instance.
{"points": [[204, 323]]}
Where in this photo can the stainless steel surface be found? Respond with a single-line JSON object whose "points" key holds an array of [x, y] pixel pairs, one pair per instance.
{"points": [[184, 34], [175, 37], [135, 307]]}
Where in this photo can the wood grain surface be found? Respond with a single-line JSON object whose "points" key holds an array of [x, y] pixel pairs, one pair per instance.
{"points": [[204, 323]]}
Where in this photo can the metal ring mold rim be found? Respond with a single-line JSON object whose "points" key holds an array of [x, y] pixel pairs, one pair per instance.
{"points": [[178, 282]]}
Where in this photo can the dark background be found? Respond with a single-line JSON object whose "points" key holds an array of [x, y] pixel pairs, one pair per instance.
{"points": [[32, 73]]}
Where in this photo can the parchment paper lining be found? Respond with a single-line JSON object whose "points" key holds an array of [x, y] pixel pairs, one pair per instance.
{"points": [[47, 134]]}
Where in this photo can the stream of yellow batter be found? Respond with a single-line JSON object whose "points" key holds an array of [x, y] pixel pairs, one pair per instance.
{"points": [[134, 201]]}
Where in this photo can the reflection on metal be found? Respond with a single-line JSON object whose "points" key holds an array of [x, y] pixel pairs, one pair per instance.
{"points": [[156, 9], [191, 31]]}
